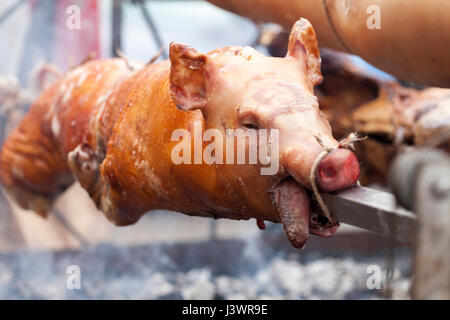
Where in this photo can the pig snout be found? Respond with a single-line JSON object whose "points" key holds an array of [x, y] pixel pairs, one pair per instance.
{"points": [[338, 170]]}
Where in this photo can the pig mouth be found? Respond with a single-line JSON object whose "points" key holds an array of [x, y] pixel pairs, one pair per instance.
{"points": [[321, 226], [300, 215]]}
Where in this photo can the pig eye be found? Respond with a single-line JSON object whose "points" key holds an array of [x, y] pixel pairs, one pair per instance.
{"points": [[248, 119], [250, 125]]}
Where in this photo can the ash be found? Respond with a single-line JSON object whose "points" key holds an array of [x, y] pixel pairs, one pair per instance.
{"points": [[260, 267]]}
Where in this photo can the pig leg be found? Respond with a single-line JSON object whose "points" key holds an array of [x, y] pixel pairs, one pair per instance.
{"points": [[32, 168], [294, 209]]}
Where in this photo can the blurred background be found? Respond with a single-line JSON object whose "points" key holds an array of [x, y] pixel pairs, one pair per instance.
{"points": [[166, 254]]}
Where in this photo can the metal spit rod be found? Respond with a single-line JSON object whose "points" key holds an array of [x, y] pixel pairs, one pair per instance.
{"points": [[373, 210]]}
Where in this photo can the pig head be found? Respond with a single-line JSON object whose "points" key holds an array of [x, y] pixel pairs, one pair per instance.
{"points": [[239, 88]]}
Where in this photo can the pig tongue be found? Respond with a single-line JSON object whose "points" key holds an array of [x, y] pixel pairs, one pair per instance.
{"points": [[294, 209]]}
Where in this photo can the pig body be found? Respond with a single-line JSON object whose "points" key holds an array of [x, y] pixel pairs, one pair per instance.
{"points": [[111, 128], [105, 132]]}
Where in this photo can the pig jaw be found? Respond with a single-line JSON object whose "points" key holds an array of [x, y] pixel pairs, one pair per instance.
{"points": [[338, 169]]}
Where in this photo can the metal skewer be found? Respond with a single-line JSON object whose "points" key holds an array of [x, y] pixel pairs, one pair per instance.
{"points": [[373, 210]]}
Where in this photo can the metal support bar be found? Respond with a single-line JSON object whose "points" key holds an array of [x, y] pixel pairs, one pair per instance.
{"points": [[69, 227], [432, 253], [421, 181], [151, 24], [38, 43], [116, 28], [9, 11]]}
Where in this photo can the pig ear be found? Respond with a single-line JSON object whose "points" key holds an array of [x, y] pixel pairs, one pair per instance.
{"points": [[188, 76], [303, 45]]}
